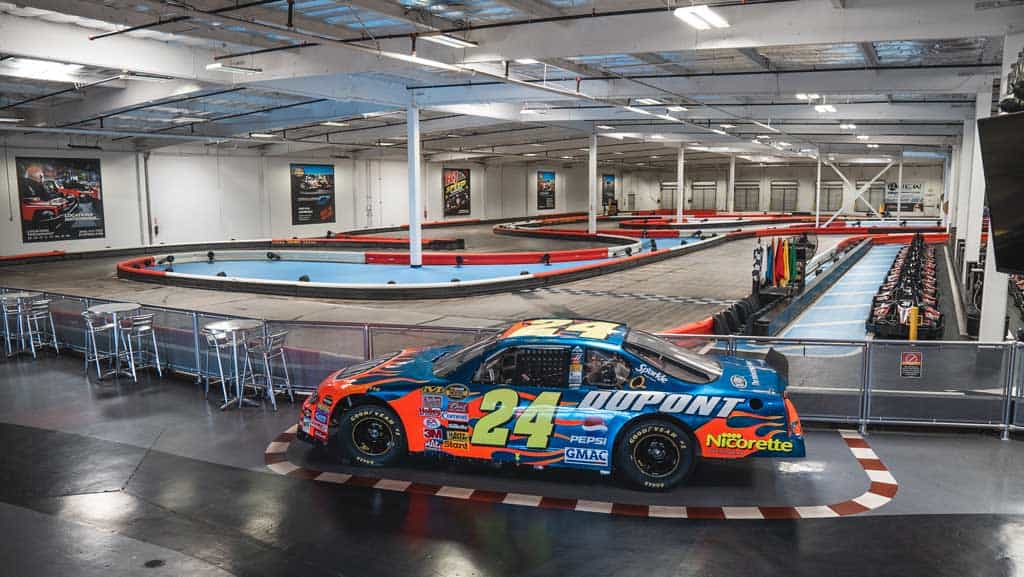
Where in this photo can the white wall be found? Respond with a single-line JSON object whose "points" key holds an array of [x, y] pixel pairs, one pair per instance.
{"points": [[197, 196]]}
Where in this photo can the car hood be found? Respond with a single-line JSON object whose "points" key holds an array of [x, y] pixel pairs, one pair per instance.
{"points": [[750, 375], [398, 369]]}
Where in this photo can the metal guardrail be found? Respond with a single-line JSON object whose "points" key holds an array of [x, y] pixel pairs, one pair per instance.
{"points": [[861, 382]]}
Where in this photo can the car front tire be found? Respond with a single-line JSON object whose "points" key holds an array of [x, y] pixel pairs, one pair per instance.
{"points": [[372, 435], [655, 455]]}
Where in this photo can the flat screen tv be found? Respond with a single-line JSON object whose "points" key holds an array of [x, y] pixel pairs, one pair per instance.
{"points": [[1002, 155]]}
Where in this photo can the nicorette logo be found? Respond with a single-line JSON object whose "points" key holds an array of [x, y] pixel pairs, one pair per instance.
{"points": [[653, 373], [736, 441], [636, 401]]}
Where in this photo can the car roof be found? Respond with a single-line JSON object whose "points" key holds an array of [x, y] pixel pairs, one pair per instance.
{"points": [[564, 330]]}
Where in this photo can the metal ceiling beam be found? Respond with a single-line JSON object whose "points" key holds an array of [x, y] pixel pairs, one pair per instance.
{"points": [[420, 18], [760, 60], [661, 62], [870, 54], [536, 8]]}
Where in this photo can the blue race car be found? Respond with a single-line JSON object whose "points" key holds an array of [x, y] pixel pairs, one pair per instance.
{"points": [[560, 393]]}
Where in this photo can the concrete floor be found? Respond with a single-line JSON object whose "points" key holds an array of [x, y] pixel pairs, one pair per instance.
{"points": [[694, 286], [118, 478]]}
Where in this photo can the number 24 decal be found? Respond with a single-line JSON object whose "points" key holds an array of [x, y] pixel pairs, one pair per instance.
{"points": [[536, 422]]}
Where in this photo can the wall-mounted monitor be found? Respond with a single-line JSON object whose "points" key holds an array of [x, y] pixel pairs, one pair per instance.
{"points": [[1002, 154]]}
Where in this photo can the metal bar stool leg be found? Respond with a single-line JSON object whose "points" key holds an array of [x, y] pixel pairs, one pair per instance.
{"points": [[223, 381], [156, 354], [127, 340], [53, 332], [270, 380]]}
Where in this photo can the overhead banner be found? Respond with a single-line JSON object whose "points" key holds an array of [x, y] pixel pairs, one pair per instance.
{"points": [[455, 191], [912, 197], [61, 199], [607, 189], [312, 193], [545, 190]]}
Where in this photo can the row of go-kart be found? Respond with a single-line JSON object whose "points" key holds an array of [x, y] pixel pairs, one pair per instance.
{"points": [[910, 283]]}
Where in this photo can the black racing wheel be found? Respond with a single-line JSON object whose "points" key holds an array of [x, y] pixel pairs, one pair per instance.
{"points": [[655, 455], [372, 435]]}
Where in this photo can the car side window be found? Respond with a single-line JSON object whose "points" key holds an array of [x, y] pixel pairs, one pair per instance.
{"points": [[540, 366], [605, 369]]}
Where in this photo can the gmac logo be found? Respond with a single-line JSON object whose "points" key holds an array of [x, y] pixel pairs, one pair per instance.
{"points": [[586, 456]]}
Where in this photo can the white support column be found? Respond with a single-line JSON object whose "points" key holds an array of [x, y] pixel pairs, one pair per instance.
{"points": [[952, 197], [975, 211], [680, 183], [412, 120], [964, 181], [817, 195], [899, 191], [592, 176], [730, 201]]}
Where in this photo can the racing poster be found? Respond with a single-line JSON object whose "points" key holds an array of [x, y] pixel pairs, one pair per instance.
{"points": [[607, 189], [60, 199], [455, 191], [312, 193], [545, 190]]}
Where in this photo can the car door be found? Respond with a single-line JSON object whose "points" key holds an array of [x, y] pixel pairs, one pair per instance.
{"points": [[517, 392]]}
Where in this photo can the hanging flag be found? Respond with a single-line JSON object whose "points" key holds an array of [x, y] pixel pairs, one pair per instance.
{"points": [[780, 271], [769, 264], [792, 263], [785, 262]]}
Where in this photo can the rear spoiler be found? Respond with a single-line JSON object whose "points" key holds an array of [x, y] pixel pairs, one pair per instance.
{"points": [[778, 362]]}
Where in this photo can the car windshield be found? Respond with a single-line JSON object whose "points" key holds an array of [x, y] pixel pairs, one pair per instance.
{"points": [[666, 357], [449, 363]]}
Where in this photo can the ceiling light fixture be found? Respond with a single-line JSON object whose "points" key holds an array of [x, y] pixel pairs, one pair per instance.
{"points": [[657, 137], [334, 123], [382, 143], [848, 126], [638, 110], [872, 146], [530, 154], [677, 108], [824, 108], [529, 111], [233, 68], [526, 61], [727, 126], [189, 120], [605, 127], [717, 131], [804, 96], [11, 119], [766, 126], [669, 117], [648, 101], [863, 137], [262, 135], [449, 40], [701, 17]]}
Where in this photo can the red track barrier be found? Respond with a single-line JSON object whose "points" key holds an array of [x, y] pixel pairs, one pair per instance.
{"points": [[31, 255]]}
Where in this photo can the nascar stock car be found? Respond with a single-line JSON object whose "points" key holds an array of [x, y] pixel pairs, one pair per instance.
{"points": [[559, 393]]}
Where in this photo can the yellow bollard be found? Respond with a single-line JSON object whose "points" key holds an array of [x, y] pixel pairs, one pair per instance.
{"points": [[913, 320]]}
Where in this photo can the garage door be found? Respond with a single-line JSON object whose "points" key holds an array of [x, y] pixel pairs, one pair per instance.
{"points": [[874, 195], [831, 195], [783, 195], [704, 194], [747, 196]]}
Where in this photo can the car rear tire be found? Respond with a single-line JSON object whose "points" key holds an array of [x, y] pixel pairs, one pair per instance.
{"points": [[372, 435], [655, 455]]}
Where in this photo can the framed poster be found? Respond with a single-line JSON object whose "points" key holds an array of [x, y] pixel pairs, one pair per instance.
{"points": [[607, 189], [312, 193], [911, 198], [455, 191], [545, 190], [60, 199]]}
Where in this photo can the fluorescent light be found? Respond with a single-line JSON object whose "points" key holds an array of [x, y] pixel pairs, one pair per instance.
{"points": [[537, 144], [334, 123], [526, 61], [453, 136], [677, 108], [189, 120], [655, 157], [382, 113], [824, 108], [727, 126], [763, 136], [700, 17], [863, 137], [717, 131], [567, 157], [530, 154], [648, 101], [605, 127], [382, 143], [529, 111], [785, 144], [848, 126], [813, 96], [872, 146], [233, 68], [766, 127], [801, 96], [669, 117], [11, 119], [657, 137], [451, 41], [756, 141], [638, 110], [262, 135], [702, 148], [618, 152]]}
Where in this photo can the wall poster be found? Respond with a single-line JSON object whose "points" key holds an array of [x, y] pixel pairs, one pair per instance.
{"points": [[60, 198], [545, 190], [911, 199], [607, 189], [455, 191], [312, 193]]}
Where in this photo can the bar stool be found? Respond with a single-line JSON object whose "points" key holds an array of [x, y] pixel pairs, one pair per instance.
{"points": [[39, 326], [136, 331], [216, 342], [12, 325], [259, 371], [96, 325]]}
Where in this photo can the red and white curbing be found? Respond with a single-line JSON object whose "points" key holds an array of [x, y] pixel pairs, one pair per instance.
{"points": [[882, 490]]}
